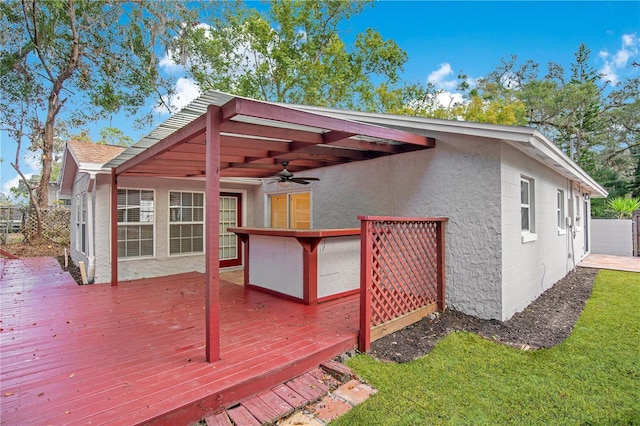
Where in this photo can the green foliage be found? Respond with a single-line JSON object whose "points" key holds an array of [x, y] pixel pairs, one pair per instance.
{"points": [[591, 378], [293, 52], [101, 52], [623, 208], [114, 136], [594, 122]]}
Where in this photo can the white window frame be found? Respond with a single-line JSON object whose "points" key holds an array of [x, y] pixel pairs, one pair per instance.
{"points": [[81, 222], [561, 217], [577, 210], [528, 233], [180, 222], [140, 223]]}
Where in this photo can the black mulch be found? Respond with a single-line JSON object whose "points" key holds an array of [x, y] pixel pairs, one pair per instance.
{"points": [[546, 322]]}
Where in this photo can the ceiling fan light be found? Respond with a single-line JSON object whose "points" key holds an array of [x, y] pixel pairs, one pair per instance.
{"points": [[285, 184]]}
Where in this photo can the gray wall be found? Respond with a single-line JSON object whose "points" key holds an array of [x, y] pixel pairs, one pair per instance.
{"points": [[459, 179], [531, 266], [612, 236]]}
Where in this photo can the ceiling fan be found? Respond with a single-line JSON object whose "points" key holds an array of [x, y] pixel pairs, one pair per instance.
{"points": [[285, 176]]}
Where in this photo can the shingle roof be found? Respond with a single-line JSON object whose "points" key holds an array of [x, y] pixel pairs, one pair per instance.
{"points": [[88, 152]]}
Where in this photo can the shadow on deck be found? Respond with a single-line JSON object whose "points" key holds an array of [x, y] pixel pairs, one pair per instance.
{"points": [[134, 354]]}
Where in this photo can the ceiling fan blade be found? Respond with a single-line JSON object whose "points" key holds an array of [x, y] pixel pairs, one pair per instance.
{"points": [[299, 180], [307, 178]]}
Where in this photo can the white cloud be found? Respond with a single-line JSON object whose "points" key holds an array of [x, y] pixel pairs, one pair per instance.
{"points": [[614, 63], [12, 183], [439, 77], [32, 161], [185, 91], [448, 99], [168, 65]]}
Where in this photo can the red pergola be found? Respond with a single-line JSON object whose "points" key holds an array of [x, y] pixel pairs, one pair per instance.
{"points": [[248, 138]]}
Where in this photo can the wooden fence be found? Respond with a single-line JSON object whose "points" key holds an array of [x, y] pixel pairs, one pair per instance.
{"points": [[402, 277], [55, 224]]}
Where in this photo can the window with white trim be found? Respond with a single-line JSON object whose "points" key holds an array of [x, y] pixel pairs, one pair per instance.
{"points": [[136, 223], [577, 210], [560, 216], [186, 222], [81, 222], [527, 212]]}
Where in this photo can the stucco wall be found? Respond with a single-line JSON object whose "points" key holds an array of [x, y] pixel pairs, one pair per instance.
{"points": [[161, 263], [531, 267], [612, 236], [459, 179]]}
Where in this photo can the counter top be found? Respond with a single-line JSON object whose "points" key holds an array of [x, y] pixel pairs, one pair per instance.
{"points": [[296, 233]]}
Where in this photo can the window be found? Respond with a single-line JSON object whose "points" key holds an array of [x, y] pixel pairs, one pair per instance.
{"points": [[186, 222], [81, 222], [229, 212], [291, 210], [560, 211], [135, 223], [527, 216], [577, 210]]}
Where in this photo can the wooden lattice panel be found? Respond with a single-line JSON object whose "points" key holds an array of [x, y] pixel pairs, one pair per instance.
{"points": [[404, 268], [55, 224], [402, 273]]}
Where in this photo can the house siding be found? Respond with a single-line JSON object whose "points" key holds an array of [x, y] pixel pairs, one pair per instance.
{"points": [[161, 263], [459, 179], [530, 268]]}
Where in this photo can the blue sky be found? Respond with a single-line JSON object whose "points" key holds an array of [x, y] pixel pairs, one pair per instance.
{"points": [[444, 38]]}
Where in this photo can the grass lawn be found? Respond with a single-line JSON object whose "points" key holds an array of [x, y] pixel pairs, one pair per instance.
{"points": [[591, 378]]}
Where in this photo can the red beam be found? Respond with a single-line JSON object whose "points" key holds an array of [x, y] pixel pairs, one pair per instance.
{"points": [[212, 220], [193, 129], [252, 108]]}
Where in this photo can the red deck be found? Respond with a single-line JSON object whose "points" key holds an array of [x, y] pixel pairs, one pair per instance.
{"points": [[135, 353]]}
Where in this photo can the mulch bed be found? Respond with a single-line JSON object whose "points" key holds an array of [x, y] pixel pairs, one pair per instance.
{"points": [[545, 323]]}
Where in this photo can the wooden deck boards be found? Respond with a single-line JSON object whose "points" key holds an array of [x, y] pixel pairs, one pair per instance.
{"points": [[134, 354]]}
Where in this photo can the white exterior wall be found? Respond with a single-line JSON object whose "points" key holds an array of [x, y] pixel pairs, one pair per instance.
{"points": [[81, 183], [529, 268], [612, 236], [338, 265], [459, 179], [161, 264], [276, 264]]}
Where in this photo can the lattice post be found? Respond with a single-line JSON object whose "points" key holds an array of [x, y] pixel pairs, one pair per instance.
{"points": [[441, 266], [366, 271]]}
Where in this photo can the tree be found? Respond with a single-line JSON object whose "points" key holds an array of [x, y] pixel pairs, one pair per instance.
{"points": [[293, 52], [54, 54], [595, 124], [114, 136]]}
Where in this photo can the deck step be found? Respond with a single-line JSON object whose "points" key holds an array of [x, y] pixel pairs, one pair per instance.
{"points": [[339, 371], [269, 406]]}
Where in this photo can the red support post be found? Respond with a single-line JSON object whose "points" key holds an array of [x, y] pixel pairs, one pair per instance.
{"points": [[114, 228], [441, 266], [310, 269], [364, 337], [212, 221]]}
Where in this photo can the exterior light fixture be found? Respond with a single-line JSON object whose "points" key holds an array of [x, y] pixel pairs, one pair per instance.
{"points": [[586, 196]]}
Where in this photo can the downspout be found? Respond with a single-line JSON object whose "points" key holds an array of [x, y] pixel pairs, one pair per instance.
{"points": [[571, 232], [91, 255]]}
